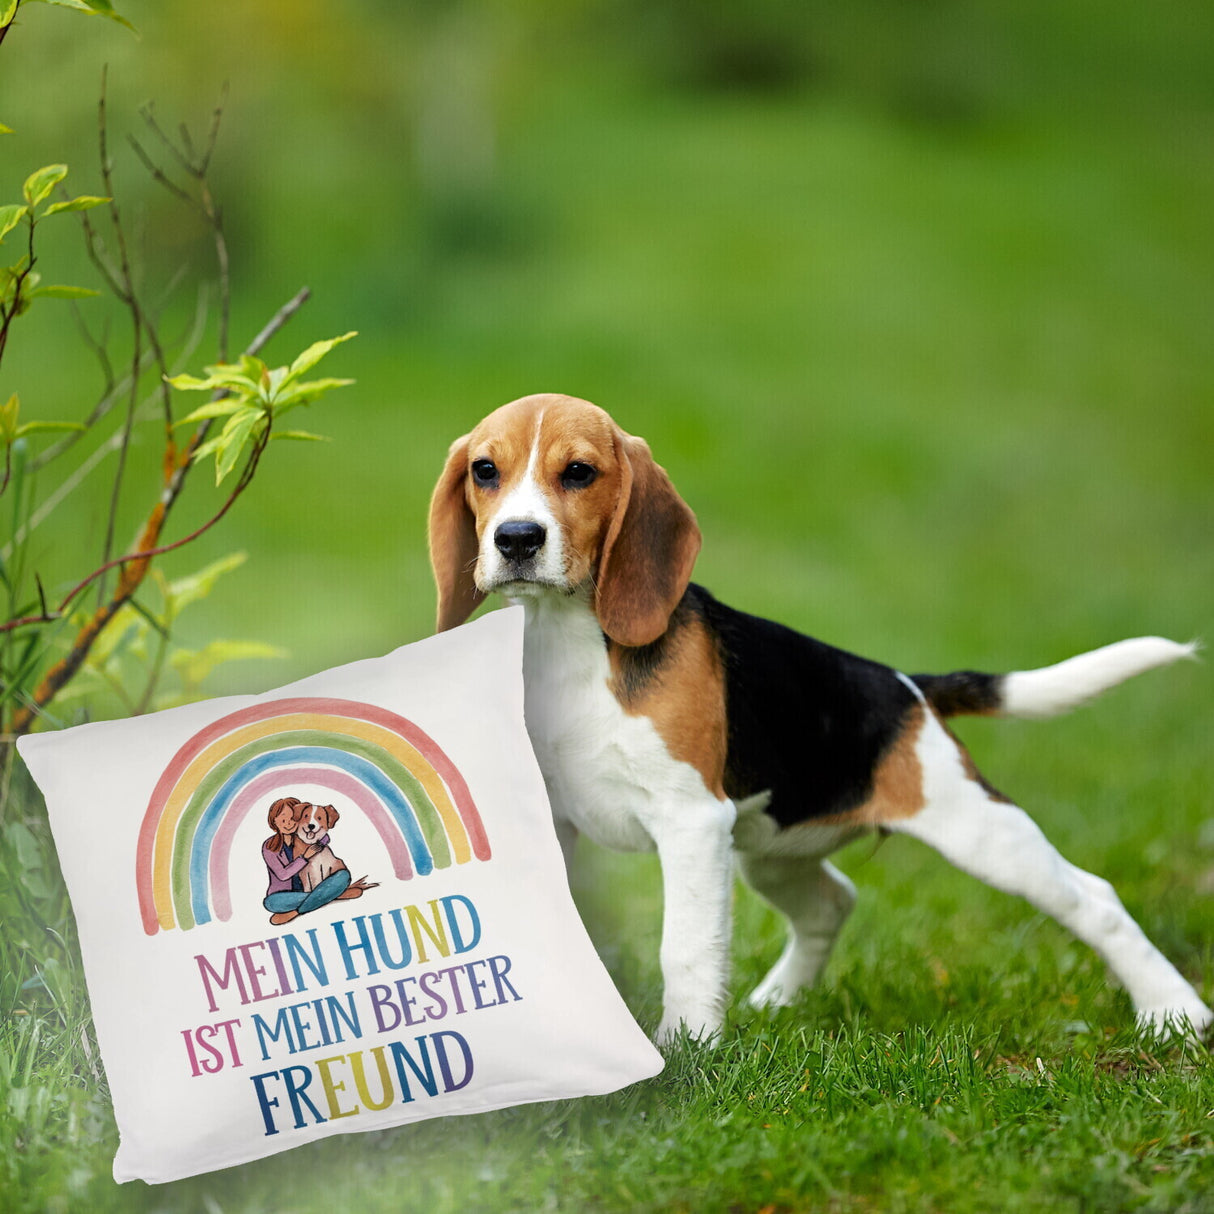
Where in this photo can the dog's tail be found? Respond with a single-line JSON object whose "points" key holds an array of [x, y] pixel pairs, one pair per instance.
{"points": [[1051, 690]]}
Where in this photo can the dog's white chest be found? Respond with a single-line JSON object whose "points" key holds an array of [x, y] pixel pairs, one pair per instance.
{"points": [[607, 773]]}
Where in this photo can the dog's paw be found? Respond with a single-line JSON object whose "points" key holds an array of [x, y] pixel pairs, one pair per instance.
{"points": [[770, 993], [672, 1030], [784, 983], [1189, 1019]]}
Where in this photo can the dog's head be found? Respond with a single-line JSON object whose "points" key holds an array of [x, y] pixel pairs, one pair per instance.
{"points": [[549, 494], [314, 822]]}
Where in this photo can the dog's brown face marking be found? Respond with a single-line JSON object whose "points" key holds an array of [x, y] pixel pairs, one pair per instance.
{"points": [[314, 821], [548, 492], [308, 828], [567, 449]]}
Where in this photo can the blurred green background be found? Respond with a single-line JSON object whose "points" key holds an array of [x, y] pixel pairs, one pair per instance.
{"points": [[914, 300]]}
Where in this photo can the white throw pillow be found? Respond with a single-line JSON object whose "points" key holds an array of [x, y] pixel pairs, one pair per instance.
{"points": [[457, 979]]}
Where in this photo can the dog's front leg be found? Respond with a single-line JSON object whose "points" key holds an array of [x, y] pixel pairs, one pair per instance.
{"points": [[566, 836], [695, 848]]}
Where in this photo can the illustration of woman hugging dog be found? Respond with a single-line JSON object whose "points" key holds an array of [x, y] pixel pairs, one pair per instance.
{"points": [[304, 872]]}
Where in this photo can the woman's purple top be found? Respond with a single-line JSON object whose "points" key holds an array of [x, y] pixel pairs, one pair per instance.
{"points": [[282, 868]]}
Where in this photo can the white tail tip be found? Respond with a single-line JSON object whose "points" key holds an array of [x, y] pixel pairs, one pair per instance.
{"points": [[1057, 689]]}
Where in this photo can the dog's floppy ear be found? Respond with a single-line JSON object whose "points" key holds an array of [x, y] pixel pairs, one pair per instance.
{"points": [[649, 550], [453, 542], [332, 815]]}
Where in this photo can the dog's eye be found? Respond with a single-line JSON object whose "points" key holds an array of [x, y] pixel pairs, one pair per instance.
{"points": [[484, 472], [578, 475]]}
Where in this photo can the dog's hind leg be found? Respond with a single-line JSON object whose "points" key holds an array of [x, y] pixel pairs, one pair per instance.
{"points": [[816, 899], [1000, 844]]}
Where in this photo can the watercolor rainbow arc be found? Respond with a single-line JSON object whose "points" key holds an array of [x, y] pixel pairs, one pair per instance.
{"points": [[395, 773]]}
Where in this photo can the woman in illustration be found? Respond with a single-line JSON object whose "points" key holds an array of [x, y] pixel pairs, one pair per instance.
{"points": [[304, 872]]}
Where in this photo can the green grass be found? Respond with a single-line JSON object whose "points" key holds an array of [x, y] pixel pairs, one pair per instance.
{"points": [[939, 392], [963, 1054]]}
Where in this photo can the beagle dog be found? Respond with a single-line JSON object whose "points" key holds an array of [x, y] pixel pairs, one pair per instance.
{"points": [[662, 718]]}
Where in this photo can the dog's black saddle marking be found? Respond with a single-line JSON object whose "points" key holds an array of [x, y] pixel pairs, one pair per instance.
{"points": [[808, 722]]}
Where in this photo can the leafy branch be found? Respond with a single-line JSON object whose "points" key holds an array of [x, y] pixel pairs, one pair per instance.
{"points": [[252, 398], [94, 8], [21, 285], [134, 653], [274, 391], [248, 400]]}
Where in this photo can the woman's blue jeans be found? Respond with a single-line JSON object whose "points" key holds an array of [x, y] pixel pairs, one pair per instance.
{"points": [[333, 886]]}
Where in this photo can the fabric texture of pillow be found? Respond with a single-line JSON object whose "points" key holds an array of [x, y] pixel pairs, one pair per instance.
{"points": [[339, 906]]}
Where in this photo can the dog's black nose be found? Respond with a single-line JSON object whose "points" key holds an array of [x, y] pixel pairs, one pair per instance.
{"points": [[517, 541]]}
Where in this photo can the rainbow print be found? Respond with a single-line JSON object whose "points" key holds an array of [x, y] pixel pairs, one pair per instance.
{"points": [[390, 769]]}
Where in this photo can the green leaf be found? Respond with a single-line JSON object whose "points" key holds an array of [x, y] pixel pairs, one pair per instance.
{"points": [[32, 427], [271, 382], [195, 666], [85, 202], [208, 448], [8, 12], [186, 590], [240, 419], [222, 377], [5, 130], [24, 845], [300, 435], [10, 217], [116, 636], [19, 293], [313, 354], [61, 292], [236, 380], [254, 370], [188, 383], [303, 394], [30, 870], [38, 185], [97, 8], [8, 419], [214, 408], [233, 444], [103, 8]]}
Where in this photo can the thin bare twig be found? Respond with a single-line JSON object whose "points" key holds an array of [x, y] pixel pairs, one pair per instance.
{"points": [[160, 176], [204, 203], [99, 346], [183, 133], [216, 119], [225, 273], [181, 155], [279, 319], [127, 294]]}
